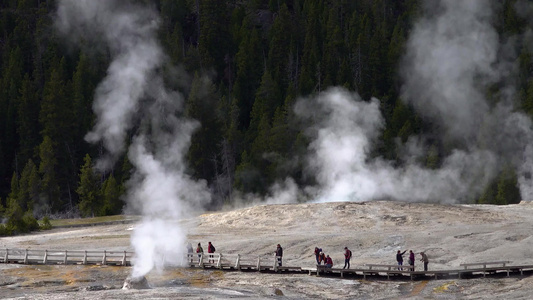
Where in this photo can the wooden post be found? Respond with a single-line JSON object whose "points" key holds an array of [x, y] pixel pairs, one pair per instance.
{"points": [[104, 259], [124, 258], [85, 257], [238, 262], [275, 263], [258, 264], [26, 257], [45, 258], [7, 256], [65, 259], [219, 264]]}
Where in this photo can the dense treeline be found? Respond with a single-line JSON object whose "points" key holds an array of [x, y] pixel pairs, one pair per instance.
{"points": [[259, 54]]}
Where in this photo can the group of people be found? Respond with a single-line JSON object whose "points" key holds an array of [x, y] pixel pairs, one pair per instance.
{"points": [[326, 259], [200, 251], [424, 259], [328, 262], [321, 258]]}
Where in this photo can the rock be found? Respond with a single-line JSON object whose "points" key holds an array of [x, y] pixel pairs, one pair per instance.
{"points": [[277, 292], [137, 283]]}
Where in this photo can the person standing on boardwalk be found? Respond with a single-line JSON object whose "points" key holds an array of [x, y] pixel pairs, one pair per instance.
{"points": [[399, 258], [279, 254], [329, 262], [190, 251], [317, 254], [347, 257], [321, 258], [425, 260], [200, 251], [412, 260], [211, 249]]}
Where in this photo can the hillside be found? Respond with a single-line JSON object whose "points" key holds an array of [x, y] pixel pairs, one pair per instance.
{"points": [[450, 235]]}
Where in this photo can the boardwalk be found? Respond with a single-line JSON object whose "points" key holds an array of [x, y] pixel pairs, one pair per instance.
{"points": [[33, 257], [269, 264], [236, 262]]}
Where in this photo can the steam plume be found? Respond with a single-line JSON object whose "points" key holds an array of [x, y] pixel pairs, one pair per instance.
{"points": [[453, 55], [133, 95]]}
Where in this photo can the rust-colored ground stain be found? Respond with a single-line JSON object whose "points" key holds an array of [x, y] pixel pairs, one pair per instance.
{"points": [[418, 288]]}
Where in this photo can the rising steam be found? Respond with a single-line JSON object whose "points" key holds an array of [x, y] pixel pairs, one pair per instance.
{"points": [[133, 95], [453, 55]]}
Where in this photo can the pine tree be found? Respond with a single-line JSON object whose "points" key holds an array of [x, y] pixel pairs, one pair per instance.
{"points": [[27, 116], [201, 106], [89, 190], [49, 186], [112, 204]]}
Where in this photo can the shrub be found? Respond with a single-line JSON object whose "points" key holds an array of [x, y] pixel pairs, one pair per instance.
{"points": [[45, 223]]}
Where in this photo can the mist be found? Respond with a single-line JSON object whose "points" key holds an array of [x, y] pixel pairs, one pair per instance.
{"points": [[453, 56], [133, 101]]}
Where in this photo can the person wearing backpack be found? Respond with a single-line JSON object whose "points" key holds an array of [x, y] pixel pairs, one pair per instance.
{"points": [[347, 257], [211, 249], [200, 251]]}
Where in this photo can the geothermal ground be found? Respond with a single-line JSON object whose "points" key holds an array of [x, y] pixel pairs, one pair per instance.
{"points": [[449, 234]]}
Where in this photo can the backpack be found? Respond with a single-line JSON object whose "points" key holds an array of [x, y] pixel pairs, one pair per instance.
{"points": [[212, 248], [350, 251]]}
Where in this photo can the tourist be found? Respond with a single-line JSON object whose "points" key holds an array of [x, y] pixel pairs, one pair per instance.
{"points": [[329, 262], [211, 249], [425, 260], [399, 258], [200, 251], [412, 260], [347, 257], [189, 251], [279, 254], [317, 255], [321, 258]]}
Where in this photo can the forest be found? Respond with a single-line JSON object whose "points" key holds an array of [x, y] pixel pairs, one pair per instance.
{"points": [[247, 64]]}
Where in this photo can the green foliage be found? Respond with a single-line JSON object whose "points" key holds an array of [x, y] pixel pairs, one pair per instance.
{"points": [[503, 190], [259, 56], [49, 186], [45, 223], [112, 205], [89, 190]]}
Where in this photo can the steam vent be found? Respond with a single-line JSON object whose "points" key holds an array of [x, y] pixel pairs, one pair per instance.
{"points": [[137, 283]]}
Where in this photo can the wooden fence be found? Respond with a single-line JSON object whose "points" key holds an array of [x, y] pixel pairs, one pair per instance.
{"points": [[65, 257]]}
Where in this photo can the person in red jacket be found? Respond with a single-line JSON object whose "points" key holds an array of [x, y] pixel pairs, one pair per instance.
{"points": [[329, 262], [347, 257], [211, 249]]}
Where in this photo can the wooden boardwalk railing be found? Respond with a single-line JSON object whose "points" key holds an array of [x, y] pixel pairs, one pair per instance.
{"points": [[65, 257], [255, 263]]}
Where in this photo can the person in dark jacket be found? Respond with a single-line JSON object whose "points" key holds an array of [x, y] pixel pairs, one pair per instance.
{"points": [[347, 257], [279, 254], [211, 249], [317, 255], [412, 260], [399, 258]]}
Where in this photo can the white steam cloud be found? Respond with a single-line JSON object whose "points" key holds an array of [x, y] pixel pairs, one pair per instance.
{"points": [[453, 55], [340, 159], [133, 95]]}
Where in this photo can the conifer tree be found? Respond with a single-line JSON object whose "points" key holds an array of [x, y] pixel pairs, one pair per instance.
{"points": [[49, 186], [89, 190], [112, 204]]}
